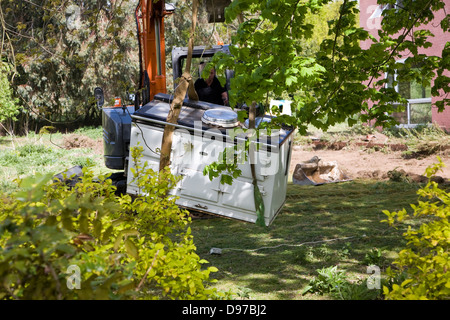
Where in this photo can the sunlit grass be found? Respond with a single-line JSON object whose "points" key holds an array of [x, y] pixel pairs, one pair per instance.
{"points": [[319, 226], [45, 153]]}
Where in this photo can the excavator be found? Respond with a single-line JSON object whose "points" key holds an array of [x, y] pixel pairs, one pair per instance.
{"points": [[202, 133]]}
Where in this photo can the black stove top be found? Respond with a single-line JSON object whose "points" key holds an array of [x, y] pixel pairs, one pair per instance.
{"points": [[191, 115]]}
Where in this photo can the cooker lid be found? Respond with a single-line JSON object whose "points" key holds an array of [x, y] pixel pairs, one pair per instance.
{"points": [[220, 117]]}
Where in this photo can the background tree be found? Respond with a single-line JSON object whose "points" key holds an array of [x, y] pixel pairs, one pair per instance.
{"points": [[8, 105], [64, 49], [272, 56], [333, 84]]}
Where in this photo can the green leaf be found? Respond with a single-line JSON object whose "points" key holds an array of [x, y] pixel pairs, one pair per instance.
{"points": [[306, 289], [290, 80], [225, 178], [84, 223], [97, 228], [131, 249], [107, 234]]}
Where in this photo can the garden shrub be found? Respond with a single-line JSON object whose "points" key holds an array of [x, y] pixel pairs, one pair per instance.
{"points": [[334, 282], [425, 260], [58, 242], [328, 280]]}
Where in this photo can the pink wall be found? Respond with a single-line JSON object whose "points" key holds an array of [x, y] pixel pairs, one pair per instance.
{"points": [[367, 7]]}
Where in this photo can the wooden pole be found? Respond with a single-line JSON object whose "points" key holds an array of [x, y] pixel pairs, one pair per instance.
{"points": [[180, 92]]}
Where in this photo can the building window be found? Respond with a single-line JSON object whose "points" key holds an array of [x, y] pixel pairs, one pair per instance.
{"points": [[398, 5], [418, 107], [377, 13]]}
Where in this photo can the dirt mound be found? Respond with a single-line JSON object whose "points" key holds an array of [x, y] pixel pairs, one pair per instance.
{"points": [[376, 174], [339, 145], [77, 141], [73, 141], [402, 175], [362, 163]]}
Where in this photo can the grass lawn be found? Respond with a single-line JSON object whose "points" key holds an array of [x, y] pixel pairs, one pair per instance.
{"points": [[277, 262], [319, 226], [24, 156]]}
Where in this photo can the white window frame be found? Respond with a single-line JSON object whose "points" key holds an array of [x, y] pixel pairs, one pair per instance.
{"points": [[379, 11], [409, 101]]}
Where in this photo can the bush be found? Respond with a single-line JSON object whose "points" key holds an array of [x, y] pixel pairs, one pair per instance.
{"points": [[426, 259], [328, 280], [374, 257], [333, 281], [85, 242]]}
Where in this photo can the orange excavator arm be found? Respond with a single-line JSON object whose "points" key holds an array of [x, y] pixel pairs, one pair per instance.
{"points": [[150, 16], [150, 27]]}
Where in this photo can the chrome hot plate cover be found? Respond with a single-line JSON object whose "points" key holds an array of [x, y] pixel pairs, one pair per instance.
{"points": [[220, 117]]}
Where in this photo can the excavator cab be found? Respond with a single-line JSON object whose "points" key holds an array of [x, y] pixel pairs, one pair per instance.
{"points": [[200, 54], [150, 28]]}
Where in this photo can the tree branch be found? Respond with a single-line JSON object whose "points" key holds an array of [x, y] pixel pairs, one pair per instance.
{"points": [[401, 39], [147, 272], [338, 26]]}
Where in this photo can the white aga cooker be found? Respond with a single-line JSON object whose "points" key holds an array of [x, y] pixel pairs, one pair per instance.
{"points": [[203, 131]]}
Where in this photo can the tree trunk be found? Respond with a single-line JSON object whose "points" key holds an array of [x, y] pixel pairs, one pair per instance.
{"points": [[180, 92]]}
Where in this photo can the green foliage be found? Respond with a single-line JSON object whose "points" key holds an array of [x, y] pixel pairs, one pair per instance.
{"points": [[374, 257], [227, 166], [320, 29], [63, 50], [426, 140], [51, 236], [83, 162], [426, 258], [45, 229], [28, 156], [335, 282], [328, 280], [334, 83], [9, 107], [355, 291]]}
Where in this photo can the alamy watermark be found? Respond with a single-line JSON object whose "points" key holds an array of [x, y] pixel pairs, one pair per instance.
{"points": [[74, 278], [374, 280], [374, 20], [231, 146]]}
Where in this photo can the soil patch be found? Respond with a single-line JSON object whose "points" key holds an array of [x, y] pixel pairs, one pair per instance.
{"points": [[73, 141], [360, 162]]}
